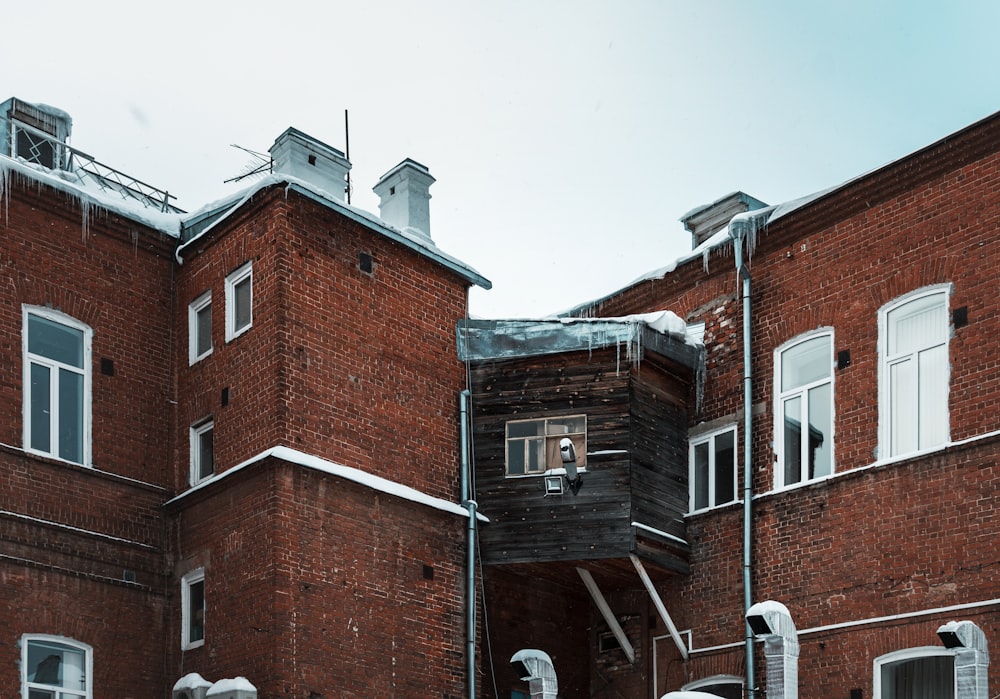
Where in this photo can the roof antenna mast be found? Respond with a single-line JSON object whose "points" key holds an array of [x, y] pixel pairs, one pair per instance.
{"points": [[347, 148]]}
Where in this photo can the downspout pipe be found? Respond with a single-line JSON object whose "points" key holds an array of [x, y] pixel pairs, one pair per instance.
{"points": [[469, 502], [739, 230]]}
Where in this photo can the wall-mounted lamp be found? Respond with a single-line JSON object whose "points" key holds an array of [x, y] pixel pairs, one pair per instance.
{"points": [[567, 451]]}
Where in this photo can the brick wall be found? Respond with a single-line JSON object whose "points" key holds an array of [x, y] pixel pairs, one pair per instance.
{"points": [[358, 368], [880, 539], [316, 586], [81, 549]]}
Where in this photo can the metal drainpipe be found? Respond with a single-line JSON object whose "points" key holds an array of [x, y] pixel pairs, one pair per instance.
{"points": [[738, 230], [468, 500]]}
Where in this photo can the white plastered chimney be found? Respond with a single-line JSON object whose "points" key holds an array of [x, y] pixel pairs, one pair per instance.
{"points": [[404, 197], [301, 156]]}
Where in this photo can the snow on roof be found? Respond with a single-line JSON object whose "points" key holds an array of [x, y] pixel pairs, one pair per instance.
{"points": [[369, 480], [89, 196], [525, 337], [222, 209], [689, 695], [92, 197], [718, 242]]}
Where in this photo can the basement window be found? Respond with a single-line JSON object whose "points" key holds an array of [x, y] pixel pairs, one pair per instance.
{"points": [[536, 446]]}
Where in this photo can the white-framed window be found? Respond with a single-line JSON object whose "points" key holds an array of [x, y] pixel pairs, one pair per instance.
{"points": [[53, 667], [725, 686], [712, 468], [57, 379], [803, 411], [914, 373], [535, 446], [193, 609], [239, 301], [202, 451], [200, 328], [917, 673]]}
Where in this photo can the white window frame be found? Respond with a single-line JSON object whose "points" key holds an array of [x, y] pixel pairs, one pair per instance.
{"points": [[801, 392], [714, 681], [911, 654], [198, 431], [709, 438], [187, 581], [887, 437], [54, 367], [58, 642], [579, 442], [194, 309], [243, 274]]}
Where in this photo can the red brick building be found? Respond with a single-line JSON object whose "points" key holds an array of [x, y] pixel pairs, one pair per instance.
{"points": [[230, 438], [234, 444], [868, 411]]}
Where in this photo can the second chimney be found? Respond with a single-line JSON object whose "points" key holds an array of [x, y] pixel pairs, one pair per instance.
{"points": [[404, 197], [302, 156]]}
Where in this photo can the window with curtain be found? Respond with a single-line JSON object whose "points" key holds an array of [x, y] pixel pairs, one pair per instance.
{"points": [[56, 385], [914, 373], [919, 673], [804, 409], [55, 668]]}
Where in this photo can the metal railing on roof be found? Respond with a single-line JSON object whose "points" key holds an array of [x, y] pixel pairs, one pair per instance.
{"points": [[38, 147]]}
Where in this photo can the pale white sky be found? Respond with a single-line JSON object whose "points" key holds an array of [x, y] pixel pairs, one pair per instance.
{"points": [[567, 136]]}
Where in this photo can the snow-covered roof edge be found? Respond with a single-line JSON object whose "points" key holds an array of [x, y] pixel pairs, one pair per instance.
{"points": [[418, 243], [722, 237], [369, 480], [168, 224], [523, 337]]}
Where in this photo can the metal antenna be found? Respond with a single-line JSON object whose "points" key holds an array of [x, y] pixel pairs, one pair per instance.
{"points": [[347, 148], [254, 168]]}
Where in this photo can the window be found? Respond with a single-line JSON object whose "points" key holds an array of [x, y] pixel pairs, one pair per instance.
{"points": [[804, 409], [202, 451], [55, 668], [193, 609], [713, 469], [914, 373], [56, 385], [533, 446], [916, 673], [200, 328], [239, 301], [725, 686]]}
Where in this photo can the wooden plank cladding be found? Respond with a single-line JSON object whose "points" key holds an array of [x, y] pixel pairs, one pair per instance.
{"points": [[632, 489]]}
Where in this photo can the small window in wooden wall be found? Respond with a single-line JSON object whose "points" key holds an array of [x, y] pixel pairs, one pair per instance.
{"points": [[533, 446]]}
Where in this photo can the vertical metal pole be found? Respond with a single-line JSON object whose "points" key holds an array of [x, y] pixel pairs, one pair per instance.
{"points": [[347, 149], [468, 500], [738, 231]]}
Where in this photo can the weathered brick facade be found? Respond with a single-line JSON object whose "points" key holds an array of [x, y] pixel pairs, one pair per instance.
{"points": [[332, 568], [874, 559]]}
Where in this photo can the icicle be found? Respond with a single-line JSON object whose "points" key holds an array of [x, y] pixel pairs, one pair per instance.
{"points": [[5, 174], [85, 214]]}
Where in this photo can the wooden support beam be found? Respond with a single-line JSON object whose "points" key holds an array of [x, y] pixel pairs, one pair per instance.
{"points": [[658, 603], [609, 617]]}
